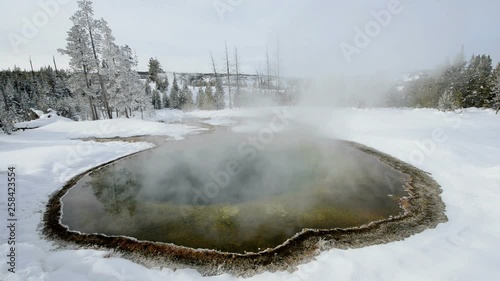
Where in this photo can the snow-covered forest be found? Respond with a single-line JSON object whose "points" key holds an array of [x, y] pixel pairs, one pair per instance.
{"points": [[455, 85], [103, 81]]}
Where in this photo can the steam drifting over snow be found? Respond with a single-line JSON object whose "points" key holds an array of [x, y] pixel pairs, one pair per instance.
{"points": [[463, 159]]}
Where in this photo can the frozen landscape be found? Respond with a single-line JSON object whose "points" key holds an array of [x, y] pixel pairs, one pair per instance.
{"points": [[462, 249], [249, 140]]}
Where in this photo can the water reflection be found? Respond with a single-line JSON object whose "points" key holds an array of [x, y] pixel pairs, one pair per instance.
{"points": [[180, 193], [116, 188]]}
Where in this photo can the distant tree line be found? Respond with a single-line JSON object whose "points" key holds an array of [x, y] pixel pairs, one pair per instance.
{"points": [[460, 84], [44, 89]]}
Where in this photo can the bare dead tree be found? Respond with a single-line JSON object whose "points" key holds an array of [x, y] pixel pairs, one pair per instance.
{"points": [[237, 70], [55, 65], [32, 70], [228, 78], [213, 65], [278, 66], [268, 66]]}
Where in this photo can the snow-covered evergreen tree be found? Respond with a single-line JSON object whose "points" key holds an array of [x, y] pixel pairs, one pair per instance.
{"points": [[154, 69], [200, 99], [162, 84], [112, 58], [186, 98], [175, 95], [448, 101], [82, 66], [84, 18], [478, 80], [156, 100], [130, 94], [165, 100], [209, 98], [8, 108], [496, 94], [219, 102]]}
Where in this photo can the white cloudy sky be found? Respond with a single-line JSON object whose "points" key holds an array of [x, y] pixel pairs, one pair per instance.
{"points": [[181, 32]]}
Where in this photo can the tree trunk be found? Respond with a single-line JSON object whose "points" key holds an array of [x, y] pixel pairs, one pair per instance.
{"points": [[228, 79], [104, 91], [278, 68], [268, 72], [87, 82], [237, 68], [91, 108], [96, 114]]}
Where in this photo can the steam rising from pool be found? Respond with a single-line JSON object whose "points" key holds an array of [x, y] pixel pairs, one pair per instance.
{"points": [[219, 192]]}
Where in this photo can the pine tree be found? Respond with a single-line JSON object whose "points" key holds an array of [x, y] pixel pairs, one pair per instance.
{"points": [[201, 99], [209, 98], [219, 96], [154, 69], [166, 100], [186, 98], [162, 84], [447, 102], [479, 83], [112, 58], [175, 95], [156, 100], [8, 108], [82, 66], [496, 94], [453, 78], [84, 18]]}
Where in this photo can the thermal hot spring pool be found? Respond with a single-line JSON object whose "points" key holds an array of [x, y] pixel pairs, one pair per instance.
{"points": [[219, 192]]}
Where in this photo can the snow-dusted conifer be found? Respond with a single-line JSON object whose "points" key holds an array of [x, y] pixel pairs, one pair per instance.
{"points": [[209, 98], [496, 94], [201, 99], [175, 95], [447, 102], [219, 102], [165, 100], [186, 98]]}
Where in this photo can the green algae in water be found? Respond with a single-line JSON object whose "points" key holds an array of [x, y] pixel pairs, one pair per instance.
{"points": [[184, 193]]}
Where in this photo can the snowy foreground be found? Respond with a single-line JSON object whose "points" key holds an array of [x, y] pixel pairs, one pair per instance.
{"points": [[461, 151]]}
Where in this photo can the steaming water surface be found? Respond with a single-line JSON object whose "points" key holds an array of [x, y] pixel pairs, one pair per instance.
{"points": [[219, 192]]}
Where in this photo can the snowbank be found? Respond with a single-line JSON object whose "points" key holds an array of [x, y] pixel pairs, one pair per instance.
{"points": [[120, 127], [168, 115], [44, 120]]}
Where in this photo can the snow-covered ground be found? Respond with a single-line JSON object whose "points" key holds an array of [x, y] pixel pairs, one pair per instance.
{"points": [[461, 151]]}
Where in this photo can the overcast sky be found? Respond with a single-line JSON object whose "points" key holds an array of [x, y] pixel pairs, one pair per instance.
{"points": [[180, 33]]}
